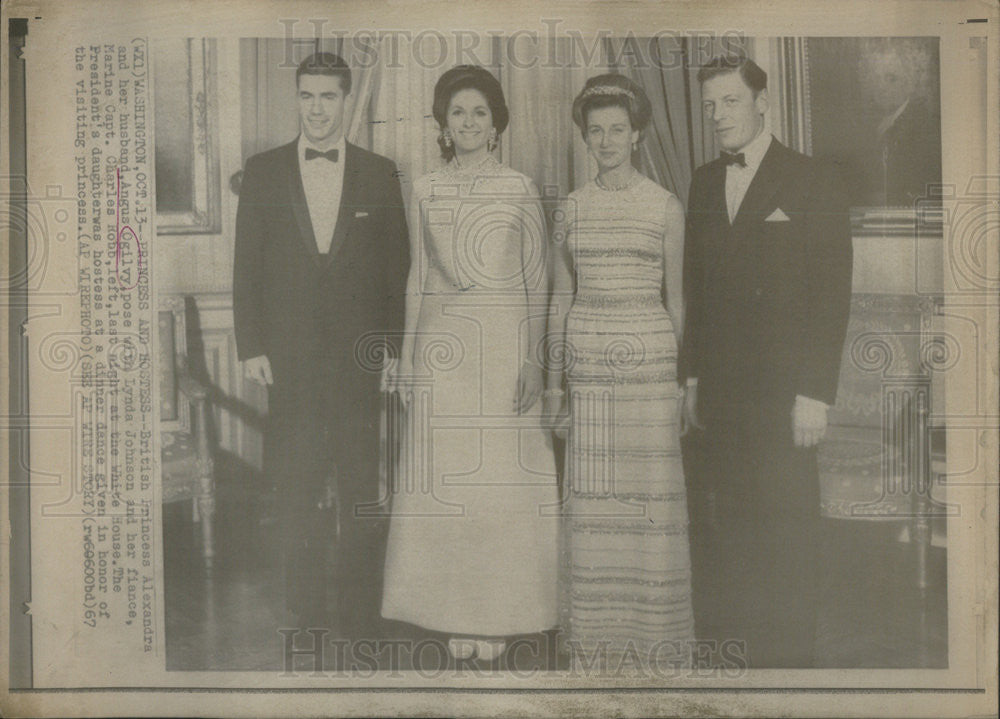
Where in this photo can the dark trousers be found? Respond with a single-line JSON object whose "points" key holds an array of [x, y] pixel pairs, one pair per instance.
{"points": [[754, 506], [321, 452]]}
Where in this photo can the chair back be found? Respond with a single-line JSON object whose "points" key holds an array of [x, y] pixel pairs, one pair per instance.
{"points": [[881, 352], [175, 412], [875, 449]]}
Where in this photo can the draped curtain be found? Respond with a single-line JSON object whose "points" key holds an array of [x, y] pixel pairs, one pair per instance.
{"points": [[789, 91], [541, 140], [389, 108], [403, 126], [679, 137], [269, 113]]}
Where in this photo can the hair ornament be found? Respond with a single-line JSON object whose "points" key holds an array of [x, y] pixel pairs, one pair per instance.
{"points": [[608, 90]]}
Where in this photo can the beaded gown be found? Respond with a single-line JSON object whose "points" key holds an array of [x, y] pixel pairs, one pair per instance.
{"points": [[473, 535], [627, 580]]}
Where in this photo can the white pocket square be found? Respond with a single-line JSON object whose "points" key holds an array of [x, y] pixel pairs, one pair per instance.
{"points": [[361, 214], [777, 216]]}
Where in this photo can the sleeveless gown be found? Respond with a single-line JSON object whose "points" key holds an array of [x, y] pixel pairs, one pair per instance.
{"points": [[626, 556], [473, 534]]}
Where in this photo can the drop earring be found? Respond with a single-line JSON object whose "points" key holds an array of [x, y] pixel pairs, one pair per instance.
{"points": [[446, 136], [491, 143]]}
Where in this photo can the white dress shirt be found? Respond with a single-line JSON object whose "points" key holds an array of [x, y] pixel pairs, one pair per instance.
{"points": [[738, 178], [323, 182]]}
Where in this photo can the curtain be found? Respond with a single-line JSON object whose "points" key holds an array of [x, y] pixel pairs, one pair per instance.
{"points": [[784, 60], [667, 150], [269, 106], [679, 138], [389, 108], [542, 141], [403, 127]]}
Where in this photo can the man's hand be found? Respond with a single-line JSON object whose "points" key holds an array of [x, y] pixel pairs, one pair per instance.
{"points": [[689, 410], [258, 369], [808, 421]]}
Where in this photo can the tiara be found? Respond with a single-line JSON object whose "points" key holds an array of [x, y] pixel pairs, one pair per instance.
{"points": [[608, 90]]}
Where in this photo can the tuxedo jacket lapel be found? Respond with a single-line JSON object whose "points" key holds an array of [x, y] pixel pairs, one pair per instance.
{"points": [[348, 202], [716, 205], [716, 215], [765, 184], [297, 199]]}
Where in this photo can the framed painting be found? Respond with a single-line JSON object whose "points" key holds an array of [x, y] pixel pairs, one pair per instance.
{"points": [[872, 106], [186, 131]]}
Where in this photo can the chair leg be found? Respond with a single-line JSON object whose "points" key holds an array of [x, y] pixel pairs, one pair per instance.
{"points": [[921, 489], [921, 529]]}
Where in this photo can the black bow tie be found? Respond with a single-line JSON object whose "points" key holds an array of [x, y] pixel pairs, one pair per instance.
{"points": [[730, 158], [330, 155]]}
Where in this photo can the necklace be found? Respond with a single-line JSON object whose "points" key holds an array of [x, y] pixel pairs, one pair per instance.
{"points": [[475, 165], [614, 188]]}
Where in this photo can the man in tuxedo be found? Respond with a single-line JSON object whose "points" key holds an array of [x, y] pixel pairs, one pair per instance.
{"points": [[320, 269], [767, 276]]}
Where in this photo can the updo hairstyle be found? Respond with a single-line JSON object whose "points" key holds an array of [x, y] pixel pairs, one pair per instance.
{"points": [[612, 90], [464, 77]]}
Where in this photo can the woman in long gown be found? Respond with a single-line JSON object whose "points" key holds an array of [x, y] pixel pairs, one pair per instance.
{"points": [[617, 311], [471, 551]]}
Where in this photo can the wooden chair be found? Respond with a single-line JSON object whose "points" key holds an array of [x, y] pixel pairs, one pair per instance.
{"points": [[875, 462], [186, 457]]}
